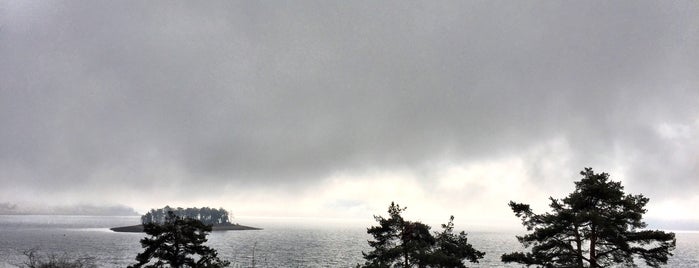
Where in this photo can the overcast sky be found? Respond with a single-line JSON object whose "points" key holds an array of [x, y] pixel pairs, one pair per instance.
{"points": [[337, 108]]}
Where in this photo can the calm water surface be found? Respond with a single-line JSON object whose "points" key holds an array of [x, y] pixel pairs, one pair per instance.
{"points": [[282, 243]]}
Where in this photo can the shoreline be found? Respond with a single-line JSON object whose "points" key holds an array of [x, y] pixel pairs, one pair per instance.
{"points": [[221, 227]]}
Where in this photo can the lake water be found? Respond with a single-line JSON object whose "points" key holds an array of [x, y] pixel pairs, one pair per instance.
{"points": [[282, 243]]}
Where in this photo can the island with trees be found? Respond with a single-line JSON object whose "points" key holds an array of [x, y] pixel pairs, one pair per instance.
{"points": [[218, 219]]}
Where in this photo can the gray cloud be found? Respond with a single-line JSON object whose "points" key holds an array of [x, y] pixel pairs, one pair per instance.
{"points": [[121, 95]]}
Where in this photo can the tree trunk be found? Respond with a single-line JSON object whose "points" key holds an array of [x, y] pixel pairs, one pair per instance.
{"points": [[593, 244], [578, 244]]}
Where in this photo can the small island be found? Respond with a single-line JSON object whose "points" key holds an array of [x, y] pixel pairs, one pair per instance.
{"points": [[217, 218]]}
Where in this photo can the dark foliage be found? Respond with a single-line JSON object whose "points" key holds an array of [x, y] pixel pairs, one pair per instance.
{"points": [[206, 215], [597, 225], [401, 243], [178, 242]]}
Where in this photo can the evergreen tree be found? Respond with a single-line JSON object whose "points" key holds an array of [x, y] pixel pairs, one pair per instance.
{"points": [[401, 243], [597, 225], [452, 248], [177, 243]]}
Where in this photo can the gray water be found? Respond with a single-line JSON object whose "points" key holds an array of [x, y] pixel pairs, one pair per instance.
{"points": [[282, 243]]}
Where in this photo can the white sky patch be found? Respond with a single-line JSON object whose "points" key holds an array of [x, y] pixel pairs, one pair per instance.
{"points": [[360, 196], [370, 193], [673, 208], [478, 192], [481, 174]]}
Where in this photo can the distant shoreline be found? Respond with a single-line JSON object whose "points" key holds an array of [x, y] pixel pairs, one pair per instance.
{"points": [[219, 227]]}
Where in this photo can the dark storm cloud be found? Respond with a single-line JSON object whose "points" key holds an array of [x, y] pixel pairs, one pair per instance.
{"points": [[99, 95]]}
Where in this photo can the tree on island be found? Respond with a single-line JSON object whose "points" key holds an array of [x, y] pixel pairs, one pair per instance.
{"points": [[401, 243], [178, 242], [597, 225], [208, 216]]}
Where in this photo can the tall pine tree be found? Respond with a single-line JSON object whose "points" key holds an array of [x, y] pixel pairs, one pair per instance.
{"points": [[597, 225], [178, 242]]}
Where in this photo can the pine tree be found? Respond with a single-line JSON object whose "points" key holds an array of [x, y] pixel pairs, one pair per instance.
{"points": [[597, 225], [452, 248], [177, 243], [401, 243]]}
